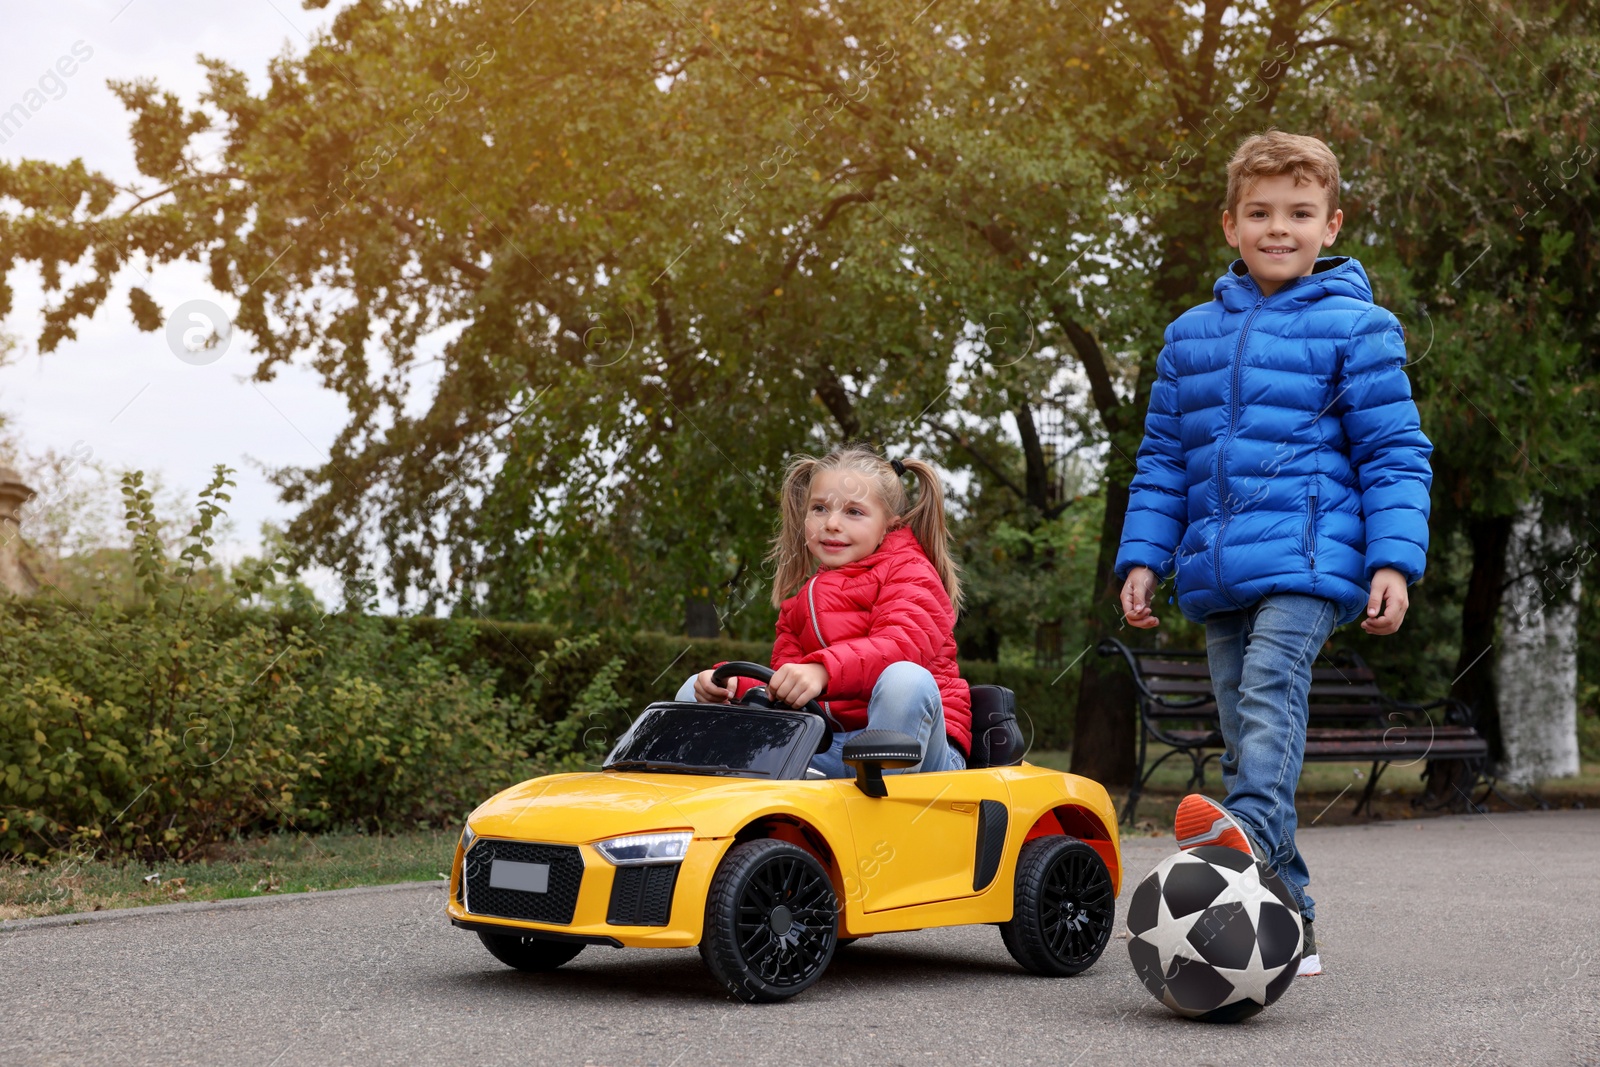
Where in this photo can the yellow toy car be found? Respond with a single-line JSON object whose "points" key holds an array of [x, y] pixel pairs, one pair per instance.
{"points": [[706, 827]]}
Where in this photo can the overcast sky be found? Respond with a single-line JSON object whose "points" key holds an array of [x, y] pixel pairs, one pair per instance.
{"points": [[114, 389]]}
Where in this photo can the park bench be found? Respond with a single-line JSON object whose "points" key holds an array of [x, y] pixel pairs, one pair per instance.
{"points": [[1350, 719]]}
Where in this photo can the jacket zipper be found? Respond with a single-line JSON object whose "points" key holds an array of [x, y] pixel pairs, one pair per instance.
{"points": [[811, 601], [1233, 423], [1311, 531]]}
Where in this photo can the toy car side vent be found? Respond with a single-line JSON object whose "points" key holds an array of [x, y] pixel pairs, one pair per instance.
{"points": [[870, 751], [992, 820], [642, 896]]}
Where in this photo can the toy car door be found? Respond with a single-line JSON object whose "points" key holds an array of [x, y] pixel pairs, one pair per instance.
{"points": [[934, 837]]}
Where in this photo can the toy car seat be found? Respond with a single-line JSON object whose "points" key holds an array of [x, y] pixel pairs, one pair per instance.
{"points": [[997, 740]]}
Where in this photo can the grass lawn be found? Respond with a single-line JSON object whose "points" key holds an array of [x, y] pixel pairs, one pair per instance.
{"points": [[281, 863], [1328, 791]]}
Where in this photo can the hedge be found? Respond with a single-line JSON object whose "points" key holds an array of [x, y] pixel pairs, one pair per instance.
{"points": [[161, 731], [164, 725], [655, 664]]}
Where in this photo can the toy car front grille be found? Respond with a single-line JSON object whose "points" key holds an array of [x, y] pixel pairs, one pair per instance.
{"points": [[642, 896], [555, 905]]}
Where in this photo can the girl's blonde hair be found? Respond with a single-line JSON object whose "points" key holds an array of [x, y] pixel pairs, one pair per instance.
{"points": [[925, 517]]}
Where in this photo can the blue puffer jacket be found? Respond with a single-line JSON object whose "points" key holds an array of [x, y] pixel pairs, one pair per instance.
{"points": [[1282, 452]]}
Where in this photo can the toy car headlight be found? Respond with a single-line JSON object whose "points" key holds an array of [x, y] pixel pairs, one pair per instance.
{"points": [[467, 837], [639, 850]]}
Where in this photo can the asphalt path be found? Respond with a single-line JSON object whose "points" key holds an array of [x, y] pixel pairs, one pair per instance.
{"points": [[1469, 940]]}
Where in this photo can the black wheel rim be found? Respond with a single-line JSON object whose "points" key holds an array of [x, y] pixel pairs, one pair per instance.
{"points": [[1076, 908], [784, 925]]}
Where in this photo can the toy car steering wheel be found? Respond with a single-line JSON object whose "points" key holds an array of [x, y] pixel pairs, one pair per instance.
{"points": [[746, 669]]}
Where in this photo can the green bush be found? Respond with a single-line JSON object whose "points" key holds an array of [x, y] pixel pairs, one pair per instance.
{"points": [[147, 726], [161, 725]]}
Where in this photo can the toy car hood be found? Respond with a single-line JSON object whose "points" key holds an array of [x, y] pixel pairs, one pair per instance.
{"points": [[578, 808]]}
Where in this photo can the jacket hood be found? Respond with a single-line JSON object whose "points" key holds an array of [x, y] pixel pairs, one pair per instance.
{"points": [[1330, 276]]}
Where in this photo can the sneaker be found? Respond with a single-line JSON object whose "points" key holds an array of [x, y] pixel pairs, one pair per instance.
{"points": [[1310, 961], [1202, 821]]}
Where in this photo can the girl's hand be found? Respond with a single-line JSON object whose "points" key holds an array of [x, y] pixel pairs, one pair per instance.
{"points": [[1136, 594], [797, 683], [708, 692]]}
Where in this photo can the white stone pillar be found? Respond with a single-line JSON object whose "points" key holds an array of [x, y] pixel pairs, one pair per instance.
{"points": [[1538, 651], [14, 574]]}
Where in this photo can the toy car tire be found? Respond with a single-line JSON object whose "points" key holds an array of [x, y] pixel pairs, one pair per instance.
{"points": [[772, 921], [530, 953], [1064, 908]]}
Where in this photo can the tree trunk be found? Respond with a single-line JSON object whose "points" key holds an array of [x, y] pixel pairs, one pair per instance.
{"points": [[1448, 780], [700, 617], [1538, 656], [1036, 475]]}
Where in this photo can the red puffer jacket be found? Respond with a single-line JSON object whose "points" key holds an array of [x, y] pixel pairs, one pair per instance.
{"points": [[857, 619]]}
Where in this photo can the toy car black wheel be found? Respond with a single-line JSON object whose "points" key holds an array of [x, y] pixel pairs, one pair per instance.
{"points": [[1064, 907], [530, 953], [772, 921]]}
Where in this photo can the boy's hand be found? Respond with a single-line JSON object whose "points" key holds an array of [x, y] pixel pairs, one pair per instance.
{"points": [[796, 683], [708, 692], [1386, 607], [1136, 594]]}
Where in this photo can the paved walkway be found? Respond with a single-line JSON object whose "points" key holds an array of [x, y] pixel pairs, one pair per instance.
{"points": [[1472, 940]]}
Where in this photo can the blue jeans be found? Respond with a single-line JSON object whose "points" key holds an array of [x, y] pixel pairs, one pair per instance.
{"points": [[1260, 662], [905, 699]]}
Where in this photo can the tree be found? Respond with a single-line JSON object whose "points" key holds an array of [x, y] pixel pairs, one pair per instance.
{"points": [[654, 252], [1468, 140]]}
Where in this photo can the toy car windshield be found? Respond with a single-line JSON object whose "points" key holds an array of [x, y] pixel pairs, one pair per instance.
{"points": [[738, 742]]}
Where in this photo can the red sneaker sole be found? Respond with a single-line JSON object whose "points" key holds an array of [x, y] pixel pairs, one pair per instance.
{"points": [[1202, 821]]}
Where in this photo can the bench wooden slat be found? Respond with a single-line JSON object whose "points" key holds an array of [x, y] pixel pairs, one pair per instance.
{"points": [[1198, 669], [1317, 691], [1349, 675], [1440, 733], [1375, 712], [1208, 710], [1177, 668], [1413, 749], [1345, 691], [1177, 685]]}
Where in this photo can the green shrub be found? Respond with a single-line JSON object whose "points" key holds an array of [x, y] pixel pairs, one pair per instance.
{"points": [[146, 727], [159, 726]]}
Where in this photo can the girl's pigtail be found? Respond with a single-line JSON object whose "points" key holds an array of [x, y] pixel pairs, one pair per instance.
{"points": [[927, 521], [791, 562]]}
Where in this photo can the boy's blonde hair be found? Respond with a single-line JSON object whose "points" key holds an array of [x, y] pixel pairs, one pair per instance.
{"points": [[1269, 154], [925, 517]]}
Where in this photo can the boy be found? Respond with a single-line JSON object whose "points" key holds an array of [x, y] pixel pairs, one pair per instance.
{"points": [[1284, 478]]}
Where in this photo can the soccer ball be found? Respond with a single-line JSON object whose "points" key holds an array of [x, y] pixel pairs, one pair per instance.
{"points": [[1215, 934]]}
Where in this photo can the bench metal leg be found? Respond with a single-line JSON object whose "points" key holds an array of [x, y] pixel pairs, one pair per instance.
{"points": [[1197, 771], [1138, 787], [1140, 776], [1132, 806], [1372, 783]]}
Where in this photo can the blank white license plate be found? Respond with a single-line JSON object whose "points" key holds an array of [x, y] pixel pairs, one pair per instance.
{"points": [[528, 877]]}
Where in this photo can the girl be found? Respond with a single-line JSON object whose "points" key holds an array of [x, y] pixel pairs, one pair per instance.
{"points": [[871, 632]]}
